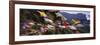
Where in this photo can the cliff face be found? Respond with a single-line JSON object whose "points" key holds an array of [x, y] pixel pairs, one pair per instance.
{"points": [[80, 16]]}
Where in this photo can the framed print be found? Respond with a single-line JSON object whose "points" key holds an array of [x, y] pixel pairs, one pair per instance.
{"points": [[37, 22]]}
